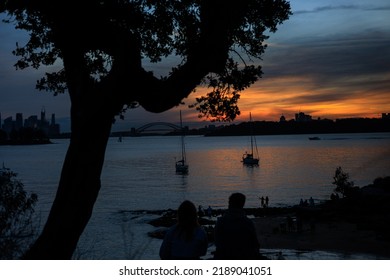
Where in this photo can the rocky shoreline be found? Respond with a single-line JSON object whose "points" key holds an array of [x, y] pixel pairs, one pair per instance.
{"points": [[355, 224]]}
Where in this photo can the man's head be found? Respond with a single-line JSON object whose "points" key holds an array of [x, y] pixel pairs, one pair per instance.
{"points": [[236, 201]]}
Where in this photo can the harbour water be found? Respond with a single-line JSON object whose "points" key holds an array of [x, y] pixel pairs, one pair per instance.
{"points": [[139, 174]]}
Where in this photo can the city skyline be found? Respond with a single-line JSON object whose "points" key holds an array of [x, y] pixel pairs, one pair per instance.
{"points": [[50, 128], [63, 125], [329, 60]]}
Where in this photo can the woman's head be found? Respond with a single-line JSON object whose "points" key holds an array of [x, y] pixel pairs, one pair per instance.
{"points": [[187, 215], [187, 219]]}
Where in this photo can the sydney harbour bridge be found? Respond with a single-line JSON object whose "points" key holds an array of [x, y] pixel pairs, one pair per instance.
{"points": [[155, 128]]}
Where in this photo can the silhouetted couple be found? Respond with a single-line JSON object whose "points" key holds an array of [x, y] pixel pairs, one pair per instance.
{"points": [[235, 234]]}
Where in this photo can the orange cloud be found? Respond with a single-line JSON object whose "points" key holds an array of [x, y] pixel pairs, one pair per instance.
{"points": [[270, 98]]}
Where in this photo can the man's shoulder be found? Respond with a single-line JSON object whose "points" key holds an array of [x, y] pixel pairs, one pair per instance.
{"points": [[233, 218]]}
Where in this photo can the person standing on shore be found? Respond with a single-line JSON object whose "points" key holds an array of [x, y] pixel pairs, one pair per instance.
{"points": [[235, 234], [262, 201], [186, 239]]}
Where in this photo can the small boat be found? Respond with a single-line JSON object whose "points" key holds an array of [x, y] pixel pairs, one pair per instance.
{"points": [[314, 138], [182, 165], [250, 159]]}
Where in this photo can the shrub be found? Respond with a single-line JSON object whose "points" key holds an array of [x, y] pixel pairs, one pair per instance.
{"points": [[16, 215], [382, 183]]}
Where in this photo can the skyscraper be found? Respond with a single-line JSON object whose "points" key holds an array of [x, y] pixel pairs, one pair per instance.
{"points": [[19, 121]]}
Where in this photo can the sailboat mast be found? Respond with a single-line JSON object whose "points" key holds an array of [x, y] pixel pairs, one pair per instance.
{"points": [[183, 152], [251, 131]]}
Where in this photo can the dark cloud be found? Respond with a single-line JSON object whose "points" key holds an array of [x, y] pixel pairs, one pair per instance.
{"points": [[316, 98], [368, 7], [327, 8], [382, 8], [326, 59]]}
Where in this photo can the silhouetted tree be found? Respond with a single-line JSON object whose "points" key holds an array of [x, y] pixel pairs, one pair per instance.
{"points": [[103, 45], [342, 182]]}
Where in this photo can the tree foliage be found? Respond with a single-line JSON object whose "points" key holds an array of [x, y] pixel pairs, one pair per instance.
{"points": [[218, 40], [16, 215]]}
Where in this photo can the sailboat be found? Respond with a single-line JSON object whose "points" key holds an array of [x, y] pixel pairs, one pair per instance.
{"points": [[182, 165], [249, 158]]}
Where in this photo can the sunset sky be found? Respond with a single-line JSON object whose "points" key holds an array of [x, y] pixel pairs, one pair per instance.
{"points": [[331, 59]]}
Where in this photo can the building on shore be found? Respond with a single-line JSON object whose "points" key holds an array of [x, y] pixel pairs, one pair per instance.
{"points": [[302, 117]]}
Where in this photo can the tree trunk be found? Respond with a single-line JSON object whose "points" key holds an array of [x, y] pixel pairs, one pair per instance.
{"points": [[91, 120], [77, 191]]}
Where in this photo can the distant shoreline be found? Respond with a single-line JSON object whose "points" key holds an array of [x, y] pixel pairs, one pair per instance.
{"points": [[222, 132], [25, 142], [127, 134]]}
